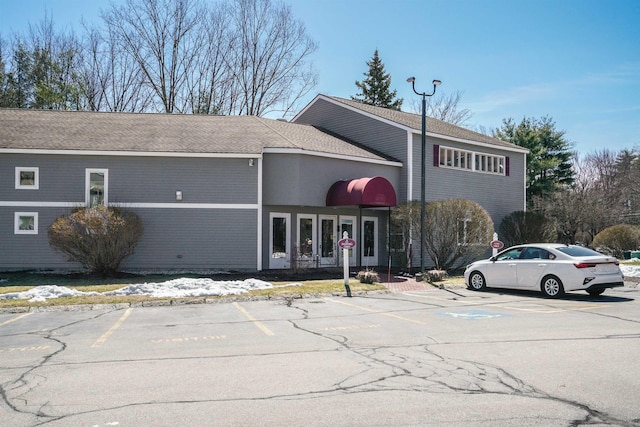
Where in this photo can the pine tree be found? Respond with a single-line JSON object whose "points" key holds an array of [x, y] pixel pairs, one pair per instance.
{"points": [[549, 166], [374, 89]]}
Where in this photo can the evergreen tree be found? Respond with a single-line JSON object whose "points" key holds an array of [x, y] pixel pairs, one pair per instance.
{"points": [[549, 166], [374, 89]]}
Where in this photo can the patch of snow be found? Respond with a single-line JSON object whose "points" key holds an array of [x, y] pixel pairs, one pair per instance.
{"points": [[630, 270], [185, 287], [177, 288], [41, 293]]}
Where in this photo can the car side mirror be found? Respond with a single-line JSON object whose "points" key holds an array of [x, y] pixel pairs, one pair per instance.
{"points": [[493, 258]]}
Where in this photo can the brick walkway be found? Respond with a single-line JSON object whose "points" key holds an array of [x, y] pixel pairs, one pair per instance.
{"points": [[405, 284]]}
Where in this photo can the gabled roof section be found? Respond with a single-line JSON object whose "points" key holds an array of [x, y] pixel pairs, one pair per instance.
{"points": [[166, 134], [413, 122]]}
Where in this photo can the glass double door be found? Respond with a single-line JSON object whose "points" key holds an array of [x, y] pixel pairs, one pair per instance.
{"points": [[316, 240], [315, 243]]}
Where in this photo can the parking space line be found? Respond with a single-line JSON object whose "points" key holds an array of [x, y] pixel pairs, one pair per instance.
{"points": [[6, 322], [551, 309], [111, 330], [359, 307], [526, 306], [253, 320]]}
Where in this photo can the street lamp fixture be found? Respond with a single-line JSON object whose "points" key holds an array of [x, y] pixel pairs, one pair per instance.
{"points": [[424, 95]]}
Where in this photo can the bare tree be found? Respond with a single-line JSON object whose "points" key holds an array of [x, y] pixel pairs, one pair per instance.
{"points": [[445, 107], [161, 36], [111, 79], [271, 50], [210, 86], [593, 202]]}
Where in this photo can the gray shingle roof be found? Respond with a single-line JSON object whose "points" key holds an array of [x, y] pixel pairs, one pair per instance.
{"points": [[163, 133], [414, 121]]}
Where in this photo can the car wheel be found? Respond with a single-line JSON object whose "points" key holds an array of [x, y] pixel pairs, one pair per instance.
{"points": [[552, 287], [476, 281], [595, 292]]}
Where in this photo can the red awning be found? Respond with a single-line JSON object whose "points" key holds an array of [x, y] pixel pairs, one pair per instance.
{"points": [[376, 191]]}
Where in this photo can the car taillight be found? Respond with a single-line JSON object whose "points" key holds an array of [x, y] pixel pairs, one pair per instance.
{"points": [[593, 264], [584, 264]]}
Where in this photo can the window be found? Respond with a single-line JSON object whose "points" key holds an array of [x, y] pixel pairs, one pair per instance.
{"points": [[27, 178], [26, 223], [97, 187], [510, 254], [472, 161], [536, 253]]}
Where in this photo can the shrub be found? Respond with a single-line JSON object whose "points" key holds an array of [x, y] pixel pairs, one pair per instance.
{"points": [[368, 276], [618, 238], [456, 231], [526, 227], [436, 275], [99, 238]]}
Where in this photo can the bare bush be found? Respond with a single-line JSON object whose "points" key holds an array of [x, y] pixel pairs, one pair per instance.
{"points": [[436, 275], [456, 231], [99, 238], [618, 238], [521, 227], [368, 276]]}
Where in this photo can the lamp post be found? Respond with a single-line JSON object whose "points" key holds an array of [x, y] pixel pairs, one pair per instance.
{"points": [[424, 95]]}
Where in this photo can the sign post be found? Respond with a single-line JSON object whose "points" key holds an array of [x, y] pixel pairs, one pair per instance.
{"points": [[346, 243]]}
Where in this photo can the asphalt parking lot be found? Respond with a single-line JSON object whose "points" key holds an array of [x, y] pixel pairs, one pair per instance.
{"points": [[427, 357]]}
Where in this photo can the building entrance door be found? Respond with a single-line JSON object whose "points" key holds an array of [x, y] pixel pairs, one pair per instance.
{"points": [[328, 240], [369, 241], [279, 241], [348, 224]]}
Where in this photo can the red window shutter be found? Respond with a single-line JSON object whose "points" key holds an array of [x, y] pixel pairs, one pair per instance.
{"points": [[506, 166], [436, 155]]}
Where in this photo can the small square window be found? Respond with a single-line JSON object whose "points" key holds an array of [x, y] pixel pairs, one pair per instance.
{"points": [[26, 223], [27, 178]]}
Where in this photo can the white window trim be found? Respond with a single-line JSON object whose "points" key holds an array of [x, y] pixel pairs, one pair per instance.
{"points": [[87, 185], [470, 164], [16, 221], [36, 180]]}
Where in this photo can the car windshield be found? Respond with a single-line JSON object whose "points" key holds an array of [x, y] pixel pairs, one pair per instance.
{"points": [[578, 251]]}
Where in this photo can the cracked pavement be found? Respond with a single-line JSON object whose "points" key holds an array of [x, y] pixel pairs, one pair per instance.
{"points": [[417, 358]]}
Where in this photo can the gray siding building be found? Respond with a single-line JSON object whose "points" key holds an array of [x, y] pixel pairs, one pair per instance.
{"points": [[239, 192], [460, 164]]}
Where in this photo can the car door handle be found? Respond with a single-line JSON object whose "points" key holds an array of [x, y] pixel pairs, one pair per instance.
{"points": [[542, 265], [512, 265]]}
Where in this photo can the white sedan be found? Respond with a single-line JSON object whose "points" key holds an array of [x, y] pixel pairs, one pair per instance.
{"points": [[552, 268]]}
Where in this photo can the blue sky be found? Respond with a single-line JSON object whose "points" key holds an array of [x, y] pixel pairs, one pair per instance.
{"points": [[577, 61]]}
